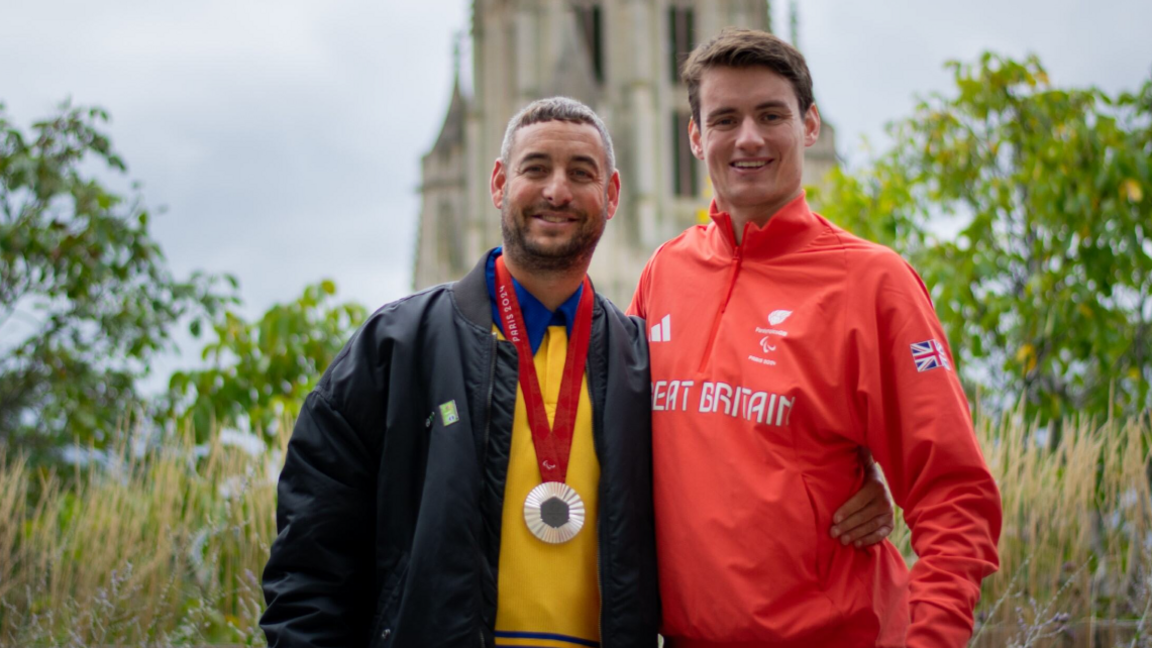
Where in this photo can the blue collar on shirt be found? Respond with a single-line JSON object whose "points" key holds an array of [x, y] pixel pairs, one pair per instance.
{"points": [[537, 317]]}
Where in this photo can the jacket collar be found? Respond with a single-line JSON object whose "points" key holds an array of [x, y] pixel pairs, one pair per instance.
{"points": [[788, 230], [473, 300], [472, 295]]}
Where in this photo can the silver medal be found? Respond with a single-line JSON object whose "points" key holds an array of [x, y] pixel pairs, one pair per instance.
{"points": [[554, 512]]}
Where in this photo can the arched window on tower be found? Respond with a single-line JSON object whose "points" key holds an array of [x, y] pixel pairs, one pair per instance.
{"points": [[450, 246], [590, 21], [681, 37], [683, 162]]}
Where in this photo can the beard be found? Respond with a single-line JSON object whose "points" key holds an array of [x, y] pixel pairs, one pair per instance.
{"points": [[549, 254]]}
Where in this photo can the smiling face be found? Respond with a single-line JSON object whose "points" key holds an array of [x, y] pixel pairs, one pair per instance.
{"points": [[555, 195], [752, 136]]}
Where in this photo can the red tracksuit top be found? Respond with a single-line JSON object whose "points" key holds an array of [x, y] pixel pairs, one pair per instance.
{"points": [[772, 362]]}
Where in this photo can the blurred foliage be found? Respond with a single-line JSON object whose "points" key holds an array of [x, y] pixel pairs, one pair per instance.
{"points": [[1044, 277], [259, 373], [190, 540], [192, 536], [86, 298]]}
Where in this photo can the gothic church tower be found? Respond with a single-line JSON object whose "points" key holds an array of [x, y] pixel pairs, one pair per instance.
{"points": [[621, 57]]}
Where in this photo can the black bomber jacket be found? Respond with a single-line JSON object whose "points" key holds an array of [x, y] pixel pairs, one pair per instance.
{"points": [[389, 520]]}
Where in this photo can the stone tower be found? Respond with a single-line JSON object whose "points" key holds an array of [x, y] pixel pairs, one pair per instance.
{"points": [[621, 57]]}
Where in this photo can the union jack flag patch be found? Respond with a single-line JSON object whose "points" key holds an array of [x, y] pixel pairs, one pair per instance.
{"points": [[929, 355]]}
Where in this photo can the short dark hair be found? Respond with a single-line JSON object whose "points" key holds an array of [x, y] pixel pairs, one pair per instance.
{"points": [[741, 48], [557, 109]]}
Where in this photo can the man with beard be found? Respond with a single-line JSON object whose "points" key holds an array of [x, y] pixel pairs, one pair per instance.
{"points": [[475, 466]]}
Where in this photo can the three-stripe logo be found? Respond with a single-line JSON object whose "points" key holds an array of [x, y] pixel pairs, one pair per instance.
{"points": [[662, 332]]}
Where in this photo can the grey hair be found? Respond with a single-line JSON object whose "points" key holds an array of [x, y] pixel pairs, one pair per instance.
{"points": [[556, 109]]}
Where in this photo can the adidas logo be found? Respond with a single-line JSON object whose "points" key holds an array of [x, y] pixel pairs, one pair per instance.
{"points": [[662, 332]]}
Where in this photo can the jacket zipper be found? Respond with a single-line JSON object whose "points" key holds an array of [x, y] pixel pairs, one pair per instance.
{"points": [[597, 433], [599, 589], [488, 405], [736, 262], [484, 449]]}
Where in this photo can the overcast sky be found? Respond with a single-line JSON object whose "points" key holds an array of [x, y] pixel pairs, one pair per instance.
{"points": [[283, 137]]}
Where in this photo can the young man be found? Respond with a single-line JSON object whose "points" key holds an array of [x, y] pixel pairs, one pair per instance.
{"points": [[462, 476], [795, 345]]}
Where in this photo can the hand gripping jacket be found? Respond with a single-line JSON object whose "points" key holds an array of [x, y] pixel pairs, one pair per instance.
{"points": [[389, 511], [772, 362]]}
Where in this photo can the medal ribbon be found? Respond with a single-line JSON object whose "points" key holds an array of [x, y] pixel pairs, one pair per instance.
{"points": [[553, 443]]}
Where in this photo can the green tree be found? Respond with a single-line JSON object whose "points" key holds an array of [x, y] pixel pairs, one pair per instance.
{"points": [[260, 373], [86, 299], [1045, 288]]}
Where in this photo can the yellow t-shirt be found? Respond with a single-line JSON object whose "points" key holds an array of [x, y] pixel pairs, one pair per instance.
{"points": [[549, 594]]}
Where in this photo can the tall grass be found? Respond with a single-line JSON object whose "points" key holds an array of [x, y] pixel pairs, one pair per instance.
{"points": [[156, 548], [1080, 513], [166, 547], [1076, 545]]}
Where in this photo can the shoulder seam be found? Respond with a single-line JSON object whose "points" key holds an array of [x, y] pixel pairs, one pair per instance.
{"points": [[860, 429]]}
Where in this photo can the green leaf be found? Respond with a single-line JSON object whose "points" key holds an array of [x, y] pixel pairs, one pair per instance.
{"points": [[81, 260], [1044, 293], [263, 367]]}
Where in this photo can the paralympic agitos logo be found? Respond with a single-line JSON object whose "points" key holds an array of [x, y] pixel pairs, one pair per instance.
{"points": [[775, 318]]}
